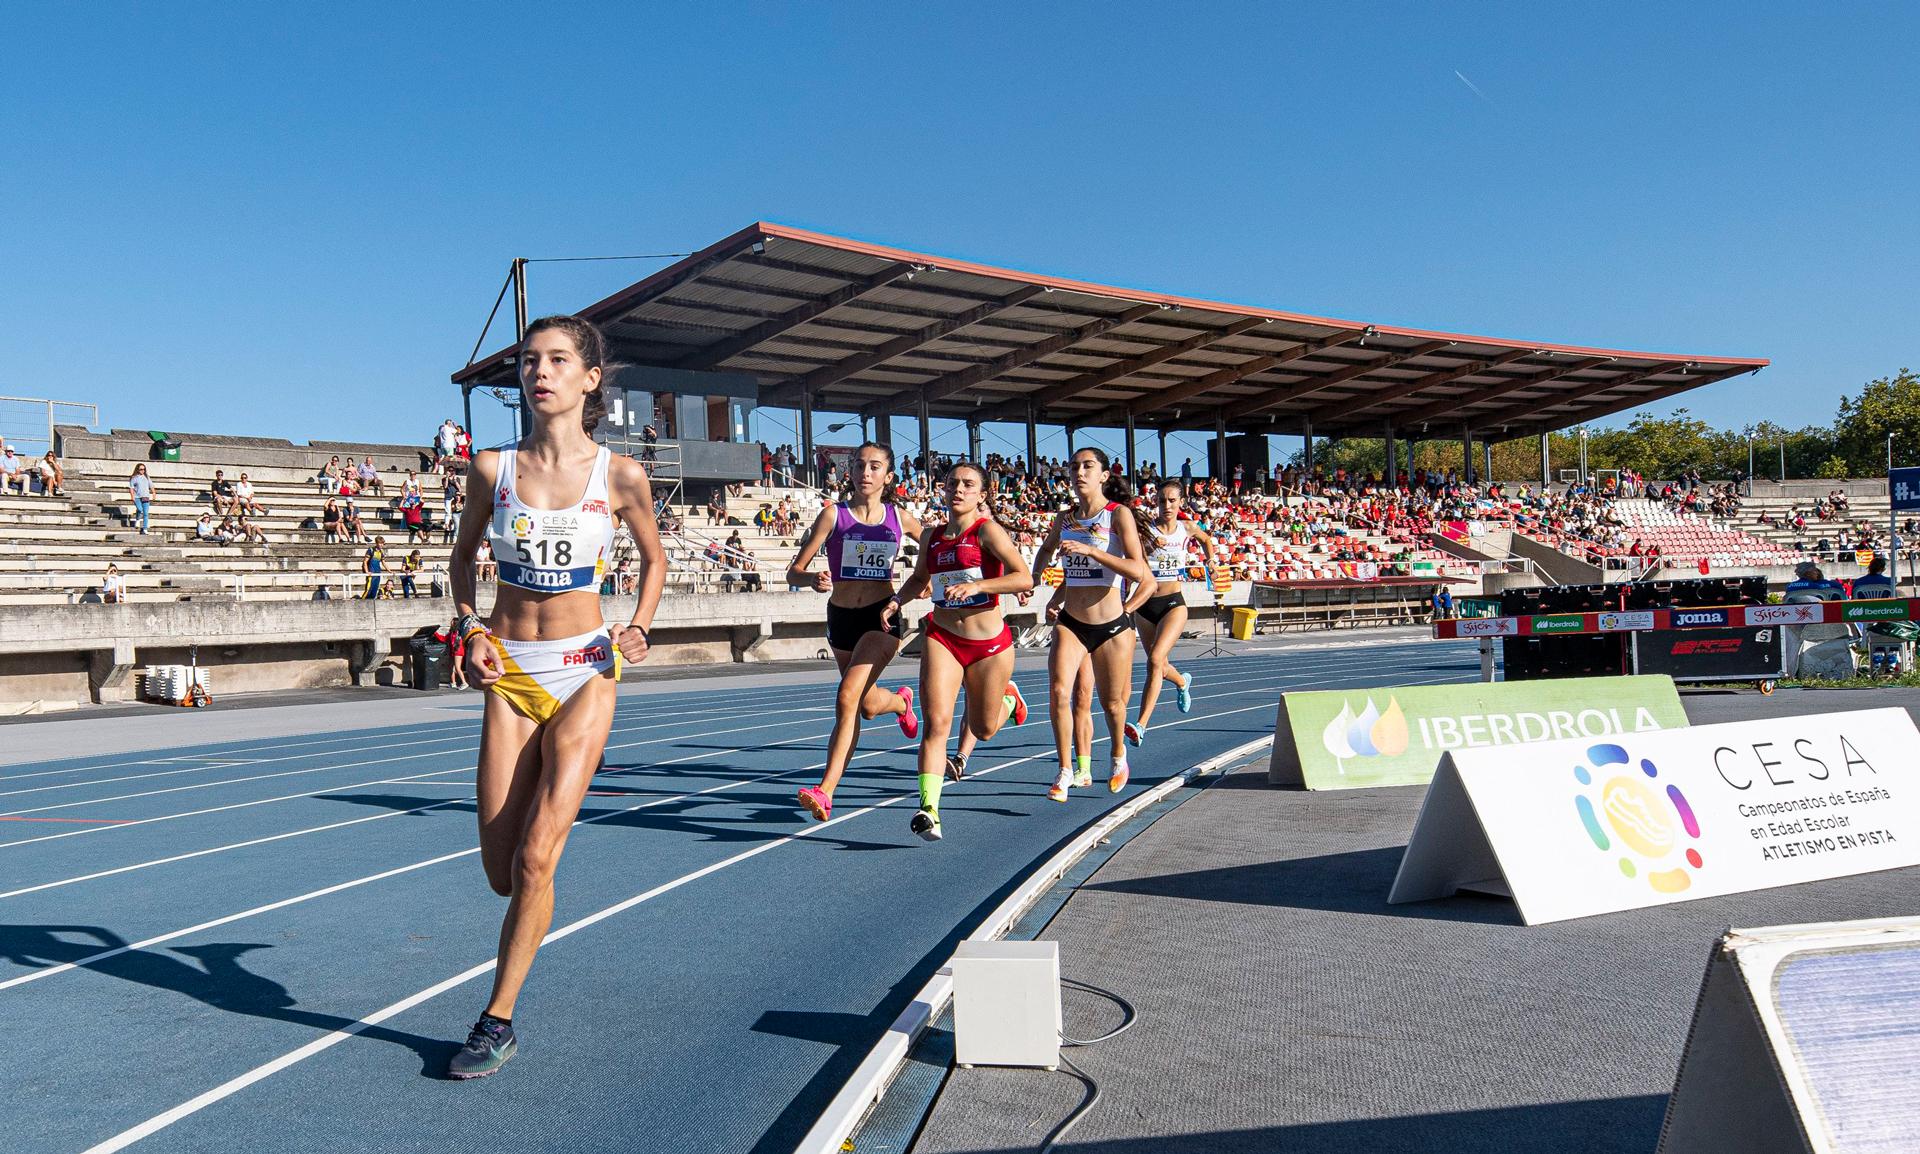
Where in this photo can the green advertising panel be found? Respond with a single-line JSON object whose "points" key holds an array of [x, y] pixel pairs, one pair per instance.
{"points": [[1891, 611], [1395, 735], [1559, 623]]}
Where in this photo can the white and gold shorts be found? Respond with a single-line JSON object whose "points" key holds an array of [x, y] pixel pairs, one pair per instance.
{"points": [[541, 675]]}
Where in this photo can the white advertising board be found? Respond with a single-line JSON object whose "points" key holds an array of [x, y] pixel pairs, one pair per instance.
{"points": [[1578, 827]]}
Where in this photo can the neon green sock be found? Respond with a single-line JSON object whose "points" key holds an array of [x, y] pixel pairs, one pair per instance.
{"points": [[1083, 762], [930, 790], [1006, 699]]}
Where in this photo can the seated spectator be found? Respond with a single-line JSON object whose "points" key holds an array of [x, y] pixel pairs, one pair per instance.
{"points": [[243, 529], [717, 508], [330, 476], [243, 501], [369, 477], [1876, 585], [221, 490], [485, 568], [53, 477], [13, 473], [203, 529], [414, 513], [764, 519], [410, 486], [113, 588], [350, 517], [330, 521]]}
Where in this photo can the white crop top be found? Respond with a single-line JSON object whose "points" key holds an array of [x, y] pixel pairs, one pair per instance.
{"points": [[1169, 557], [1096, 531], [551, 550]]}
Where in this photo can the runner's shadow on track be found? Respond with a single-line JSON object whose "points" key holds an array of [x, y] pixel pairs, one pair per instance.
{"points": [[218, 979], [749, 827], [401, 803], [1349, 883]]}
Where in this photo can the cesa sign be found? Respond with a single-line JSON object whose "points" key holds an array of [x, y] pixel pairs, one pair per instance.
{"points": [[1624, 622]]}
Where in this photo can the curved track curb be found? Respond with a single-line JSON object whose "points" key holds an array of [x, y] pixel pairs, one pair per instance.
{"points": [[869, 1081]]}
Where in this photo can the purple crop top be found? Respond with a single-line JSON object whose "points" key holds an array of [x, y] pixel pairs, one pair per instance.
{"points": [[874, 547]]}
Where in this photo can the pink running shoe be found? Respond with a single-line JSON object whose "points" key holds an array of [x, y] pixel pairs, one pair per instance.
{"points": [[909, 724], [818, 801]]}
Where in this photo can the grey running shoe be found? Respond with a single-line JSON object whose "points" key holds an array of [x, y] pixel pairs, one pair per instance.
{"points": [[488, 1047]]}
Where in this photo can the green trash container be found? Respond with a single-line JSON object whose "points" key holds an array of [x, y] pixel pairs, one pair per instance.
{"points": [[165, 447]]}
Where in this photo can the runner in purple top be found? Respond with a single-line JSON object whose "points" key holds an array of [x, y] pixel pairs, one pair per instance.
{"points": [[861, 537]]}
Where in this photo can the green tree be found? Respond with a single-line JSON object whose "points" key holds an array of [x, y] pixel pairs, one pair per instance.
{"points": [[1888, 405]]}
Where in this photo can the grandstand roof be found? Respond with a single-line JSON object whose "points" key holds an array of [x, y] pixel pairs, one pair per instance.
{"points": [[866, 328]]}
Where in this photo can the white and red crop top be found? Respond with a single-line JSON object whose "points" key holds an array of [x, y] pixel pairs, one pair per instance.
{"points": [[1096, 531], [551, 550], [954, 560]]}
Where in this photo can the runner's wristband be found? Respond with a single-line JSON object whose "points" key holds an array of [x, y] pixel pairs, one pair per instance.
{"points": [[468, 624]]}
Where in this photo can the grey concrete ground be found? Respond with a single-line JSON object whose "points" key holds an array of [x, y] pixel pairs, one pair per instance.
{"points": [[1284, 1006]]}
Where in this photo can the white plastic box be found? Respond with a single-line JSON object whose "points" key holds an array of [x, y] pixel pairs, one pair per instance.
{"points": [[1006, 1004]]}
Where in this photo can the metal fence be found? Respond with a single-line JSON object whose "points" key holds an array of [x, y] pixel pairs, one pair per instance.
{"points": [[26, 423]]}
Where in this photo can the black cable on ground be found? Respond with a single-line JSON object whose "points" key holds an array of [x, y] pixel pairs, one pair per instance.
{"points": [[1129, 1017]]}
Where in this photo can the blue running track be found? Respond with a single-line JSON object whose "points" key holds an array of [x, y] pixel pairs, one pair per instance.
{"points": [[275, 945]]}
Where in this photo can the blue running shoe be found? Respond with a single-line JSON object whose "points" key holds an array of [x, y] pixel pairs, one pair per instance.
{"points": [[1183, 695], [488, 1047]]}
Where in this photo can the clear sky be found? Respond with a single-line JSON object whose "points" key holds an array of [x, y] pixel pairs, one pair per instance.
{"points": [[291, 220]]}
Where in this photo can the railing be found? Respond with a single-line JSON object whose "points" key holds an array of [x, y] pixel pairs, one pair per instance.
{"points": [[27, 422]]}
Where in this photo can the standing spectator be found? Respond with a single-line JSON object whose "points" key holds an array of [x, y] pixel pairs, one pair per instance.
{"points": [[450, 528], [222, 492], [369, 477], [371, 564], [12, 473], [413, 511], [1186, 475], [649, 441], [409, 569], [350, 517], [140, 487], [463, 445], [446, 443], [53, 478], [766, 465], [113, 587], [330, 520], [243, 501], [450, 637], [449, 494]]}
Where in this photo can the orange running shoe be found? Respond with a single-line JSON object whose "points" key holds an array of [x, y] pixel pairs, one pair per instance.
{"points": [[1117, 780]]}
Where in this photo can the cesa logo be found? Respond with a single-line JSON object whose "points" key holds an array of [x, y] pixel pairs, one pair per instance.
{"points": [[1618, 622], [1806, 614], [1625, 813], [1488, 627], [1694, 618]]}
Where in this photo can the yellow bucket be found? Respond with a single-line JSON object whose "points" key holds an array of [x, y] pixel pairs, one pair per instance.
{"points": [[1243, 620]]}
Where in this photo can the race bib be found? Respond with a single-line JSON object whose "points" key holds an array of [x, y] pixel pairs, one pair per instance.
{"points": [[1168, 564], [867, 560], [944, 581], [1082, 567]]}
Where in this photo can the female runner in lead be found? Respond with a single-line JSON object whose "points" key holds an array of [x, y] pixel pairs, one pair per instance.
{"points": [[862, 536], [968, 563], [1162, 616], [546, 657], [1099, 546]]}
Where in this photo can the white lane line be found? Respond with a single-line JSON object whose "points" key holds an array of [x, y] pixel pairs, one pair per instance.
{"points": [[333, 1038]]}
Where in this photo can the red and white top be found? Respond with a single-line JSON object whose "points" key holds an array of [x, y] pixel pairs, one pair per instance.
{"points": [[954, 560]]}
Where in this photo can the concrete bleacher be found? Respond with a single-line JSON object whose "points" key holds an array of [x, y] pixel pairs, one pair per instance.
{"points": [[1687, 538]]}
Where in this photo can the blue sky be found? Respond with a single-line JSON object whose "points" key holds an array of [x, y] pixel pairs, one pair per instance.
{"points": [[292, 222]]}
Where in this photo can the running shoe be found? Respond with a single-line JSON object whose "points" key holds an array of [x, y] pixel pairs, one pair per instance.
{"points": [[818, 801], [1183, 695], [1061, 784], [1133, 734], [1117, 780], [956, 767], [909, 724], [489, 1045], [1019, 704], [926, 825]]}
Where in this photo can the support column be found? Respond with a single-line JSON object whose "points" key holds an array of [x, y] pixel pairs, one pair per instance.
{"points": [[973, 441], [1466, 453], [1133, 462], [926, 435], [1393, 459], [1220, 445], [466, 408], [1033, 439], [1546, 462], [1068, 430], [1163, 450], [806, 435], [1486, 455], [1308, 437]]}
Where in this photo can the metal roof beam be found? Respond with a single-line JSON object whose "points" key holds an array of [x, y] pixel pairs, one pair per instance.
{"points": [[1241, 410], [1527, 409], [1607, 408], [943, 387], [1086, 382], [827, 375], [1167, 398], [1330, 415], [1450, 405], [733, 346]]}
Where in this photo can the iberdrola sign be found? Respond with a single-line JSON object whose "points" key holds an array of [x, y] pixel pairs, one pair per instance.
{"points": [[1395, 735]]}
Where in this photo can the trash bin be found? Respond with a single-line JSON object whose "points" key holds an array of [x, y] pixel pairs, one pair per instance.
{"points": [[1243, 619], [425, 658], [165, 447]]}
